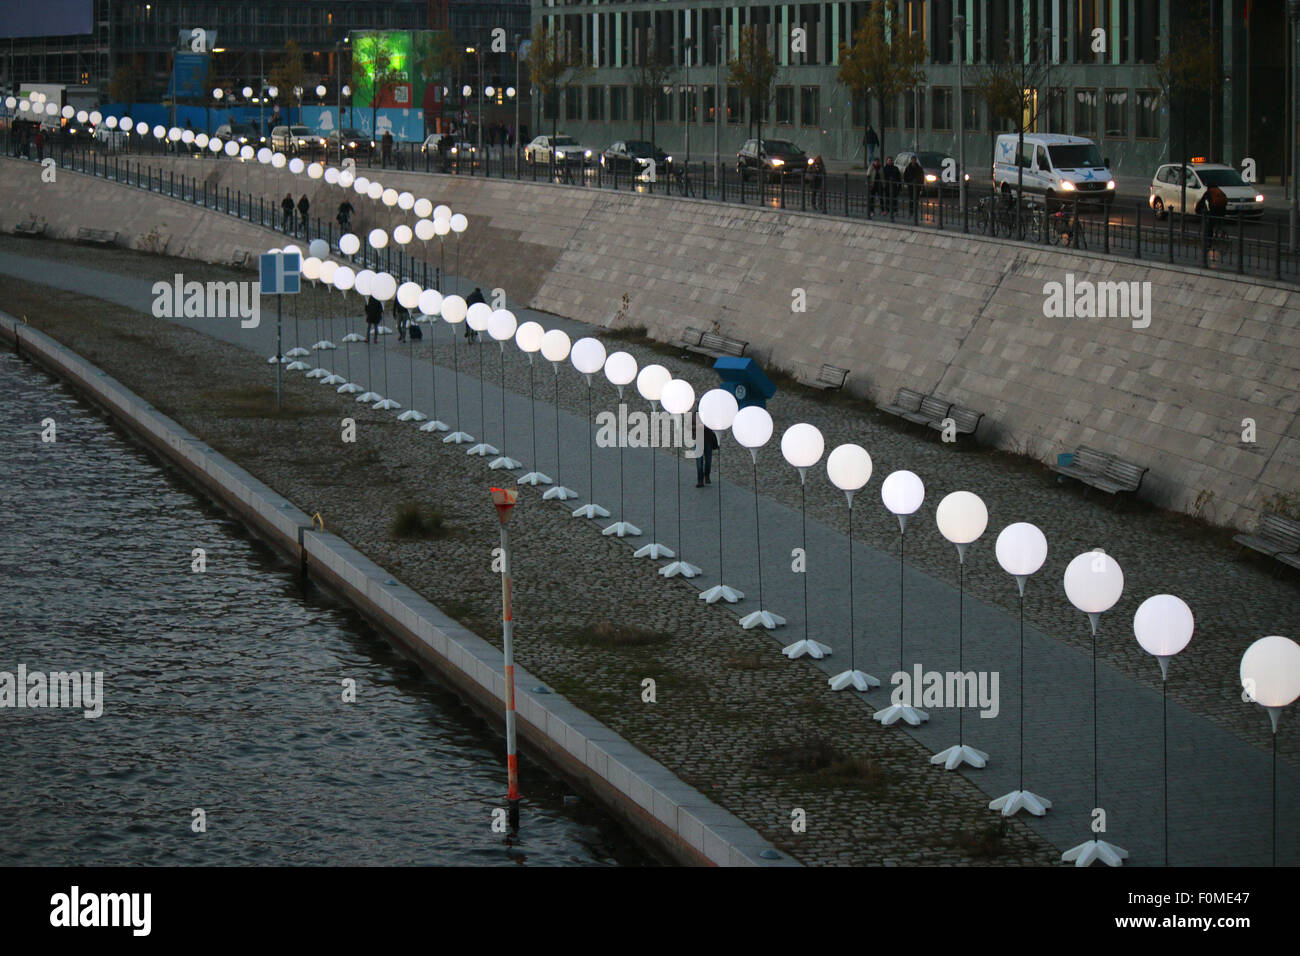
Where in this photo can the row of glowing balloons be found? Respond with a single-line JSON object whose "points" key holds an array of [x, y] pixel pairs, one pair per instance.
{"points": [[1094, 581]]}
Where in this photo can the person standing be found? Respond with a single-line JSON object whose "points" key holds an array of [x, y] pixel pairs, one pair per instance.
{"points": [[304, 221], [914, 177], [40, 144], [386, 147], [870, 143], [402, 317], [893, 181], [876, 187], [286, 209], [706, 440], [374, 315], [816, 180]]}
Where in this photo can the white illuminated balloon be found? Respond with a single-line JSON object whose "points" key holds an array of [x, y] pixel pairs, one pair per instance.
{"points": [[848, 467], [311, 267], [405, 201], [327, 270], [402, 234], [264, 155], [319, 248], [477, 315], [588, 356], [961, 517], [902, 492], [1270, 672], [374, 190], [459, 223], [431, 302], [442, 212], [454, 309], [246, 153], [315, 171], [650, 382], [424, 230], [346, 179], [677, 396], [441, 227], [502, 325], [296, 165], [620, 368], [344, 278], [1021, 549], [388, 197], [1093, 582], [232, 148], [383, 287], [360, 185], [423, 209], [555, 346], [159, 132], [349, 244], [378, 239], [1163, 625], [332, 176], [278, 160], [718, 409], [802, 445], [752, 427], [529, 337], [291, 249], [408, 295]]}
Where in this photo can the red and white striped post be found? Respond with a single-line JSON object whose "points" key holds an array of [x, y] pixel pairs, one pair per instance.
{"points": [[504, 500]]}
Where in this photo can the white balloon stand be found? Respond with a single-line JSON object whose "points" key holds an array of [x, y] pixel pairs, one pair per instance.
{"points": [[317, 373], [590, 511], [683, 568], [483, 449], [721, 592], [959, 754], [506, 462], [559, 493], [766, 618], [858, 680], [434, 425], [814, 649], [892, 714], [386, 404], [331, 379], [654, 551], [353, 337], [458, 438], [1093, 851], [1012, 803], [411, 415], [534, 478], [623, 529], [369, 397], [297, 352], [283, 360], [348, 388], [325, 345]]}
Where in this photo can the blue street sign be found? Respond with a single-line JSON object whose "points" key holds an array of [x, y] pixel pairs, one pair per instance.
{"points": [[280, 273]]}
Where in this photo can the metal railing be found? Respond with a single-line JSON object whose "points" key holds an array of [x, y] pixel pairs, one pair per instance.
{"points": [[1122, 230]]}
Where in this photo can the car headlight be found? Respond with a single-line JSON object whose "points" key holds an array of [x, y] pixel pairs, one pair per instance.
{"points": [[1110, 184], [778, 162], [1067, 186], [587, 154], [559, 154], [1259, 197], [966, 176], [453, 151], [931, 178], [668, 159]]}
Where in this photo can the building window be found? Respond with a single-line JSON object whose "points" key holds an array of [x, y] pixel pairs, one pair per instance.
{"points": [[911, 102], [784, 105], [709, 95], [1117, 114], [573, 103], [686, 104], [618, 103], [809, 105], [664, 104], [595, 102], [941, 108], [1054, 121], [734, 113], [639, 111], [1147, 107], [971, 104], [859, 108], [889, 113], [1085, 113]]}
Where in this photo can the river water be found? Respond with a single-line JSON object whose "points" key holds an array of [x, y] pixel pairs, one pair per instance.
{"points": [[222, 689]]}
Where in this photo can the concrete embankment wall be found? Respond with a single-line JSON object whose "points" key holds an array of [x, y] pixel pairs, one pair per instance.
{"points": [[961, 316], [642, 793]]}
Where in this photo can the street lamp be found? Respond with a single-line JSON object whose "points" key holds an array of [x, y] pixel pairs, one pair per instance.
{"points": [[513, 92], [688, 44], [959, 28], [1293, 10], [478, 139], [1047, 59]]}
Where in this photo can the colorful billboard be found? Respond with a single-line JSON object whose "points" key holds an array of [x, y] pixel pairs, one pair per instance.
{"points": [[405, 66]]}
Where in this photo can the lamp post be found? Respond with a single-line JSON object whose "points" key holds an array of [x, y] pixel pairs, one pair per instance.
{"points": [[718, 99], [650, 382], [1293, 10], [1163, 626], [620, 369], [718, 410], [1093, 583], [1270, 676], [959, 29], [519, 55], [902, 492], [529, 337], [849, 469], [555, 349], [431, 304], [454, 311], [501, 326], [504, 500], [478, 56], [1021, 549], [477, 318], [677, 396], [753, 428], [588, 357], [802, 446], [962, 518], [688, 45]]}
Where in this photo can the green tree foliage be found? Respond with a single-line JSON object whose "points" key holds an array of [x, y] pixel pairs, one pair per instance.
{"points": [[884, 61]]}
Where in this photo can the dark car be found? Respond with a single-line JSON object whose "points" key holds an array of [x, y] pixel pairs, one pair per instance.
{"points": [[354, 142], [777, 158], [933, 164], [633, 156], [245, 134]]}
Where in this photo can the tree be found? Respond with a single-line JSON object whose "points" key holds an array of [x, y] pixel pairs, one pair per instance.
{"points": [[883, 61], [129, 83], [1186, 74], [436, 54], [554, 66], [1011, 85], [753, 72], [288, 75], [379, 72], [654, 66]]}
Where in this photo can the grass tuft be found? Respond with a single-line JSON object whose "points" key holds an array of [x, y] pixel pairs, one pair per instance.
{"points": [[414, 521]]}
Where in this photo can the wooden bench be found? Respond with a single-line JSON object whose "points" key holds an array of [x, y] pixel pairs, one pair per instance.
{"points": [[906, 402], [710, 343], [828, 377], [239, 258], [1278, 537], [933, 409], [29, 228], [101, 236], [965, 420], [1105, 472]]}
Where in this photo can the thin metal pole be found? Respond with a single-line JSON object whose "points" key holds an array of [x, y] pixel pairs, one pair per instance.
{"points": [[508, 654], [1164, 733], [279, 348], [1022, 691], [961, 598], [758, 539], [853, 644], [558, 483], [718, 452], [532, 400]]}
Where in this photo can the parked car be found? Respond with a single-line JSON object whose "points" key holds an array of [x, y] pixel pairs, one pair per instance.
{"points": [[777, 158], [296, 139], [1055, 167], [1167, 189], [460, 147], [110, 138], [566, 149], [245, 134], [633, 156], [933, 164], [354, 142]]}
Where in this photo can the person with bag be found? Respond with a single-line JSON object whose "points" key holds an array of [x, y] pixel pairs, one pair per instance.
{"points": [[402, 317], [374, 315], [472, 299]]}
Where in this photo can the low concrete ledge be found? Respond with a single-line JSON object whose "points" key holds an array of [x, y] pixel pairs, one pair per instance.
{"points": [[640, 791]]}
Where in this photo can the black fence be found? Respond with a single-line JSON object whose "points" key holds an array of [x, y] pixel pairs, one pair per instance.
{"points": [[1125, 229]]}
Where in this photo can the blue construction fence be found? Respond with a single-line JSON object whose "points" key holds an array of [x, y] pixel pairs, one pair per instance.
{"points": [[406, 125]]}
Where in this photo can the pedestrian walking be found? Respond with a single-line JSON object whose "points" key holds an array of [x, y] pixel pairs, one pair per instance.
{"points": [[1214, 208], [286, 208], [706, 443], [344, 216], [386, 147], [402, 318], [472, 299], [39, 139], [870, 143], [374, 315], [305, 221], [893, 182], [914, 178], [816, 180], [875, 187]]}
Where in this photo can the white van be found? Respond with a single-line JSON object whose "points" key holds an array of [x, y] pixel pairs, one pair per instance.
{"points": [[1056, 168]]}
